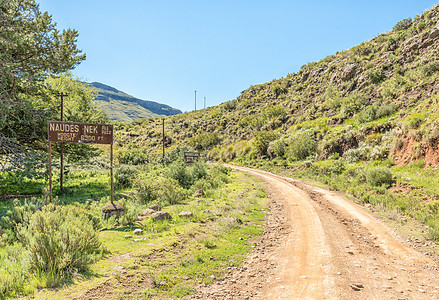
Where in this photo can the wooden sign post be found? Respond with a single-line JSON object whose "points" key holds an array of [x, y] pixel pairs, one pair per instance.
{"points": [[71, 132], [189, 157]]}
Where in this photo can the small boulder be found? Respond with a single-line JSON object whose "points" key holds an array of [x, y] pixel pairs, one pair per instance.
{"points": [[199, 193], [185, 214], [434, 33], [307, 164], [348, 72], [155, 207], [141, 218], [112, 209], [119, 268], [161, 215], [137, 231], [147, 212]]}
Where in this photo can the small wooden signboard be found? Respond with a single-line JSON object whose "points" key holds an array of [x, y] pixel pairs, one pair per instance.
{"points": [[71, 132], [189, 157]]}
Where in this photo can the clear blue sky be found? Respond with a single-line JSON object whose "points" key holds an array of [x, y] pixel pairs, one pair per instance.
{"points": [[164, 50]]}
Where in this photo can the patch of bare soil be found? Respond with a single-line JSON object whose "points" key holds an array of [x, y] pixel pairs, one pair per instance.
{"points": [[320, 245], [412, 150]]}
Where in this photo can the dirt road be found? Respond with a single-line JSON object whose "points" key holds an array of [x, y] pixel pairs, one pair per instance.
{"points": [[320, 245]]}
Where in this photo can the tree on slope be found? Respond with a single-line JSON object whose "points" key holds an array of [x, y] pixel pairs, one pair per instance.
{"points": [[31, 49]]}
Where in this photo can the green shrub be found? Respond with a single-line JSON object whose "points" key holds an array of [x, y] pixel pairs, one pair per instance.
{"points": [[19, 216], [262, 140], [277, 148], [133, 157], [60, 239], [244, 121], [273, 112], [178, 170], [416, 120], [367, 115], [379, 177], [166, 191], [144, 191], [277, 90], [403, 24], [432, 207], [385, 110], [129, 217], [230, 105], [352, 155], [205, 141], [302, 146], [14, 270], [253, 121], [337, 167], [375, 74], [198, 170], [430, 68], [227, 153], [433, 233], [176, 154], [432, 136], [124, 176], [353, 103]]}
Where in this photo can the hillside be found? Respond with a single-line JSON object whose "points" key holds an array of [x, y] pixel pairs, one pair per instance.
{"points": [[374, 100], [126, 108], [364, 121]]}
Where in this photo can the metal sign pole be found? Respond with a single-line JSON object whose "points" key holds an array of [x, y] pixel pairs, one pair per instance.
{"points": [[163, 154], [50, 171], [61, 180], [111, 172]]}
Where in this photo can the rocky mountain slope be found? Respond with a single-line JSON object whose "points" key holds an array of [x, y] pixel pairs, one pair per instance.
{"points": [[377, 99], [126, 108]]}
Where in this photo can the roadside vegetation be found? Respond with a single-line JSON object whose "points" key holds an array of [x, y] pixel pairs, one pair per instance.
{"points": [[55, 245], [210, 215], [363, 121]]}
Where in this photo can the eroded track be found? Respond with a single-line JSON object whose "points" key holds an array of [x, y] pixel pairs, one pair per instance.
{"points": [[320, 245]]}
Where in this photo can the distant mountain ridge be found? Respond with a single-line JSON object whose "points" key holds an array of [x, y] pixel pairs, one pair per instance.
{"points": [[123, 107]]}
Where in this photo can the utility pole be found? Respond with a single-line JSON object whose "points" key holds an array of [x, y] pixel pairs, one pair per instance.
{"points": [[195, 100], [163, 155], [204, 102], [62, 95]]}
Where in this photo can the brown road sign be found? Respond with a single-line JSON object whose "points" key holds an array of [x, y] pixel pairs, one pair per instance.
{"points": [[191, 156], [70, 132]]}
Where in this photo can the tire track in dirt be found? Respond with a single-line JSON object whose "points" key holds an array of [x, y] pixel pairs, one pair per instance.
{"points": [[319, 245]]}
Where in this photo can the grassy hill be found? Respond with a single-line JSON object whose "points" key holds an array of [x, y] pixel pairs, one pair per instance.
{"points": [[126, 108], [386, 87], [364, 121]]}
